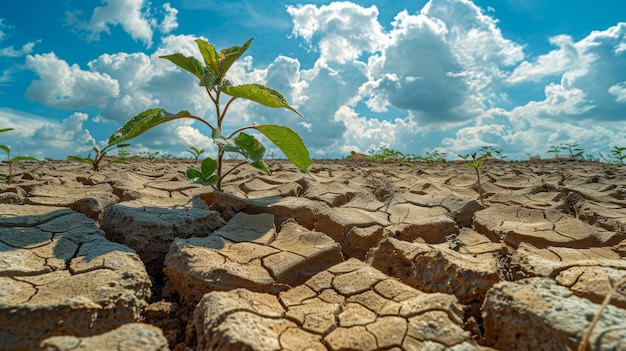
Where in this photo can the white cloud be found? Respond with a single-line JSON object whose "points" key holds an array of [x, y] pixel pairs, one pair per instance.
{"points": [[568, 56], [44, 137], [134, 16], [63, 86], [169, 22], [346, 30], [10, 51], [619, 91]]}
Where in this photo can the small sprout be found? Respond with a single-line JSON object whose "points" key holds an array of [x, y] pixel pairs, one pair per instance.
{"points": [[149, 155], [456, 244], [13, 160], [476, 163], [196, 153], [100, 154], [206, 175], [618, 155], [534, 157]]}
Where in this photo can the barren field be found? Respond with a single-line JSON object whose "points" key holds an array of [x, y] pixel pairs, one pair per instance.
{"points": [[355, 256]]}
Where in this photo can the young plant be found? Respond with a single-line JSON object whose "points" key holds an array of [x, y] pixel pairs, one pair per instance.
{"points": [[95, 162], [618, 155], [476, 163], [573, 150], [456, 244], [554, 150], [212, 77], [534, 157], [196, 153], [434, 156], [14, 159], [147, 154]]}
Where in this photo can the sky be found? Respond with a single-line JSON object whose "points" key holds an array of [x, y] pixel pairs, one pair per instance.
{"points": [[415, 76]]}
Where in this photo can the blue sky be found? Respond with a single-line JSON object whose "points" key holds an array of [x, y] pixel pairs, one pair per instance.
{"points": [[451, 75]]}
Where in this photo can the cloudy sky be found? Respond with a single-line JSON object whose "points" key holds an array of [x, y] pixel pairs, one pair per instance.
{"points": [[451, 75]]}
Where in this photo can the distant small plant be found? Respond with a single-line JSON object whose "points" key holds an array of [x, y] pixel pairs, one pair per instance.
{"points": [[14, 159], [534, 157], [570, 149], [387, 155], [476, 162], [100, 154], [618, 155], [456, 244], [434, 156], [196, 153], [151, 156], [212, 77]]}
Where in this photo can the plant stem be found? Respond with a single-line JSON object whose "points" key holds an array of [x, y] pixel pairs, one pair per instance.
{"points": [[220, 156], [480, 188]]}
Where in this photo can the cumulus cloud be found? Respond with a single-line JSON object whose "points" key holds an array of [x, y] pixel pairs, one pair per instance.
{"points": [[134, 16], [69, 87], [10, 51], [335, 26], [45, 137]]}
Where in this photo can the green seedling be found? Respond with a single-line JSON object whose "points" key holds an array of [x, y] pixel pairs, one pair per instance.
{"points": [[554, 150], [434, 156], [212, 77], [14, 159], [386, 155], [100, 154], [147, 154], [456, 244], [571, 150], [618, 155], [476, 162], [534, 157], [196, 153]]}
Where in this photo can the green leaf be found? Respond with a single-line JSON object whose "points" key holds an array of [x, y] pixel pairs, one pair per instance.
{"points": [[249, 147], [209, 80], [289, 142], [193, 174], [23, 158], [6, 130], [230, 55], [143, 122], [188, 63], [259, 94], [208, 167], [210, 56], [260, 165], [5, 149]]}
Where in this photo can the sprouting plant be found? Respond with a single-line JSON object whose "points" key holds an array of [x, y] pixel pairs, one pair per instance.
{"points": [[14, 159], [534, 157], [456, 244], [100, 154], [196, 153], [476, 163], [554, 150], [147, 154], [618, 155], [434, 156], [571, 149], [212, 77], [166, 156], [387, 155]]}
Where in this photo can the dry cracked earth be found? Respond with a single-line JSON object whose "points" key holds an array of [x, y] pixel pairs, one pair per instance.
{"points": [[355, 256]]}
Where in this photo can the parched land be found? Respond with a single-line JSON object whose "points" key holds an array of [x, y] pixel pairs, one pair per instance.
{"points": [[355, 256]]}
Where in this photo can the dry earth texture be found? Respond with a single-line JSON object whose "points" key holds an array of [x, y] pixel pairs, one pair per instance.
{"points": [[357, 256]]}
